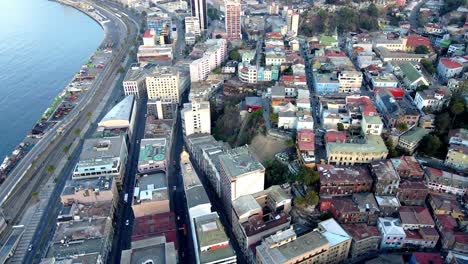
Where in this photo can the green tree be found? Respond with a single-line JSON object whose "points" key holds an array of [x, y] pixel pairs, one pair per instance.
{"points": [[308, 176], [372, 10], [88, 115], [326, 215], [131, 53], [66, 149], [235, 55], [77, 132], [402, 127], [430, 144], [421, 50], [34, 195], [392, 152], [421, 88], [457, 108], [427, 64], [275, 173], [442, 123], [121, 70], [50, 169], [274, 118], [312, 198], [340, 126]]}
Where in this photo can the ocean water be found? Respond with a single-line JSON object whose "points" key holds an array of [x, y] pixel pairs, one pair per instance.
{"points": [[42, 45]]}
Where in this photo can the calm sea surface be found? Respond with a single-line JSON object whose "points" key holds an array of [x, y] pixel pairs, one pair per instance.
{"points": [[42, 45]]}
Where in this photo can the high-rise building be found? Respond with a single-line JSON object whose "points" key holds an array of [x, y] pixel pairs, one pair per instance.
{"points": [[199, 10], [294, 23], [196, 118], [163, 84], [232, 9], [214, 54]]}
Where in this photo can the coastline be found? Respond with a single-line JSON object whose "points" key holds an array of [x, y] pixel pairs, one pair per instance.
{"points": [[24, 146]]}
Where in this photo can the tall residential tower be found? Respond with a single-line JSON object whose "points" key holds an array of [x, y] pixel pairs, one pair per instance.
{"points": [[232, 9]]}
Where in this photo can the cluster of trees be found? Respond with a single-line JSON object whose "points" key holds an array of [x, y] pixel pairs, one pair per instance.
{"points": [[455, 116], [311, 199], [345, 20], [227, 123], [276, 173], [235, 55], [451, 5], [421, 50], [427, 64], [254, 124]]}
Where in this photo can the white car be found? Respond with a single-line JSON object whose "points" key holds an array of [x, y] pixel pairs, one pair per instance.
{"points": [[127, 222]]}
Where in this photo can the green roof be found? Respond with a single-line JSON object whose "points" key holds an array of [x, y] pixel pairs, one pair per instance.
{"points": [[410, 72], [152, 149], [414, 135], [210, 232], [373, 144], [327, 40], [375, 120]]}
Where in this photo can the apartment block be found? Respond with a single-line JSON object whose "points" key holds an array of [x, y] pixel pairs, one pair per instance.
{"points": [[444, 181], [232, 11], [164, 83], [196, 118], [412, 192], [153, 155], [151, 195], [373, 148], [408, 167], [343, 180], [366, 239], [134, 81], [208, 56], [386, 179]]}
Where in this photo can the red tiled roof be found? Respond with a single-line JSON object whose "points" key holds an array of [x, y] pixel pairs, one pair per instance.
{"points": [[330, 174], [274, 35], [397, 93], [450, 64], [155, 225], [344, 205], [335, 54], [306, 140], [148, 34], [446, 222], [461, 237], [417, 215], [335, 136], [361, 231], [428, 258], [415, 40]]}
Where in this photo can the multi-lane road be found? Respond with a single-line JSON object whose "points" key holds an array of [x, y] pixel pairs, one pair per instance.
{"points": [[50, 148]]}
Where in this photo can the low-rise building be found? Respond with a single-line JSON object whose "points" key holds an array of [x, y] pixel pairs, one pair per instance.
{"points": [[423, 257], [386, 179], [157, 54], [156, 250], [393, 235], [447, 205], [84, 235], [306, 147], [444, 181], [410, 140], [343, 180], [432, 99], [388, 205], [156, 225], [90, 191], [372, 125], [120, 119], [151, 195], [395, 111], [358, 208], [415, 217], [412, 77], [448, 68], [458, 149], [412, 192], [102, 157], [357, 153], [408, 167], [153, 155], [366, 239], [256, 216]]}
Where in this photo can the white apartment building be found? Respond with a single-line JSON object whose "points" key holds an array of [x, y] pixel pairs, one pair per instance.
{"points": [[163, 83], [102, 157], [433, 99], [192, 25], [392, 232], [196, 118], [372, 125], [247, 73], [214, 56], [134, 81], [350, 81]]}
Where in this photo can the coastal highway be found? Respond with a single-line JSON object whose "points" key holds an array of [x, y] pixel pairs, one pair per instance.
{"points": [[115, 29], [125, 31], [49, 150]]}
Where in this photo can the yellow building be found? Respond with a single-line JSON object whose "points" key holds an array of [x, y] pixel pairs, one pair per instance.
{"points": [[163, 83], [357, 153]]}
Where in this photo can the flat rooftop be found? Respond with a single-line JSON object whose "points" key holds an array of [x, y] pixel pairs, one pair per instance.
{"points": [[136, 74], [101, 184], [296, 248], [152, 187], [330, 174], [210, 232], [99, 149], [154, 249], [157, 128], [239, 161], [374, 144], [384, 170], [153, 149]]}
